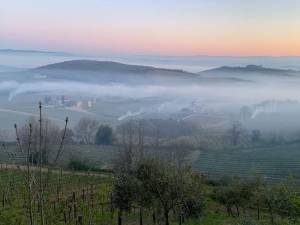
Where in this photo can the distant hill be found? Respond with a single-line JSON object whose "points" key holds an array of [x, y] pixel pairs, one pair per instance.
{"points": [[107, 67], [115, 72], [249, 69], [111, 72], [18, 51]]}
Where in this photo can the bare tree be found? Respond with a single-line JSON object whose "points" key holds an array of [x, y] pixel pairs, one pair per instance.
{"points": [[125, 159], [86, 130], [5, 135], [179, 150], [51, 136]]}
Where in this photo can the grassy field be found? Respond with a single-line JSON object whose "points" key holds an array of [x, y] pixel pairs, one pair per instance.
{"points": [[97, 156]]}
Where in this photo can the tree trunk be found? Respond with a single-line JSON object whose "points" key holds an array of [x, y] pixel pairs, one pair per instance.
{"points": [[237, 210], [154, 218], [166, 213], [258, 211], [141, 216], [272, 216], [120, 217], [111, 207], [228, 211], [180, 220], [271, 213]]}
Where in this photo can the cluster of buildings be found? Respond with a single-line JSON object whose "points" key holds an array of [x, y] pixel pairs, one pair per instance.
{"points": [[63, 101]]}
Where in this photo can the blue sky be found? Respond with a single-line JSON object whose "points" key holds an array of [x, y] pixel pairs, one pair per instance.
{"points": [[216, 27]]}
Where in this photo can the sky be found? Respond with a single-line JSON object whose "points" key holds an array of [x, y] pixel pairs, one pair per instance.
{"points": [[167, 27]]}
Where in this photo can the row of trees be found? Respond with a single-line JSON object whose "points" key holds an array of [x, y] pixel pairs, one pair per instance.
{"points": [[167, 190], [236, 134], [87, 131], [241, 195], [90, 131]]}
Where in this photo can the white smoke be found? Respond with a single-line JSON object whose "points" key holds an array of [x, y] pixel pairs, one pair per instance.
{"points": [[272, 106], [104, 90], [8, 86], [78, 88], [130, 114], [264, 110]]}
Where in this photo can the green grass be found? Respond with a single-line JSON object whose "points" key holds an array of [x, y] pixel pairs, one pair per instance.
{"points": [[96, 156]]}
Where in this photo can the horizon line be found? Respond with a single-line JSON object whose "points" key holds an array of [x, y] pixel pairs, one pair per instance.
{"points": [[74, 53]]}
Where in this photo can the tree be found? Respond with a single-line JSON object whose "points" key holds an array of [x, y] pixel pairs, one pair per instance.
{"points": [[104, 135], [173, 188], [155, 183], [51, 137], [270, 198], [288, 201], [191, 201], [225, 196], [5, 136], [123, 193], [144, 199], [258, 190], [246, 112], [237, 193], [86, 129], [235, 132], [159, 178], [69, 136], [255, 136]]}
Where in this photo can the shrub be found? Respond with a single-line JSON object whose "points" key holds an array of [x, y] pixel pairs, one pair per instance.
{"points": [[79, 165]]}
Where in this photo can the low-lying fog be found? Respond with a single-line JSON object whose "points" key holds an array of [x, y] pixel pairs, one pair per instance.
{"points": [[262, 101], [237, 93]]}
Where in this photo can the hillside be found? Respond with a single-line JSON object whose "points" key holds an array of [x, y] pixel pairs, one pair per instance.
{"points": [[111, 72], [250, 69], [108, 67]]}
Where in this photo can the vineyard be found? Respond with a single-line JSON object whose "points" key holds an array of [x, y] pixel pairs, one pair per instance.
{"points": [[68, 198], [84, 198], [275, 162]]}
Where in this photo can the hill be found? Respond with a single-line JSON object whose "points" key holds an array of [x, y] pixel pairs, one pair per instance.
{"points": [[107, 66], [250, 69], [111, 72], [18, 51]]}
